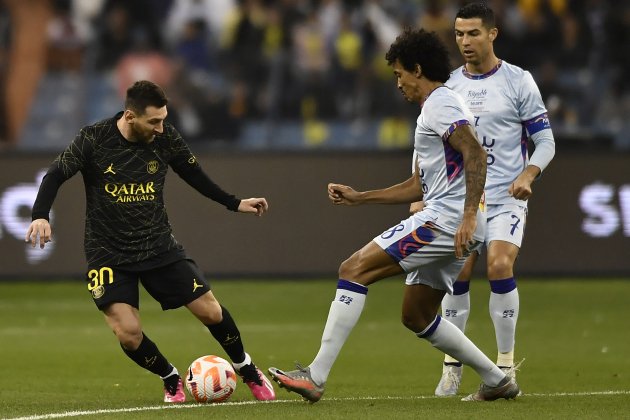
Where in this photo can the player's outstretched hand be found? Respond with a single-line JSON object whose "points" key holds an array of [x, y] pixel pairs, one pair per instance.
{"points": [[257, 206], [39, 231], [342, 194]]}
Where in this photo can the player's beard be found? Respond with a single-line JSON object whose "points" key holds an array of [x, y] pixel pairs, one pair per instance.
{"points": [[145, 137]]}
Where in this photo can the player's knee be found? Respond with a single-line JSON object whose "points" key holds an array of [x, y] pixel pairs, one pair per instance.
{"points": [[129, 335], [349, 269], [500, 267], [414, 322], [465, 274], [212, 313]]}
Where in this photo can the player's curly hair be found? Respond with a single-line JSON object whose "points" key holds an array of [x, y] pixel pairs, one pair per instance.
{"points": [[143, 94], [477, 10], [417, 46]]}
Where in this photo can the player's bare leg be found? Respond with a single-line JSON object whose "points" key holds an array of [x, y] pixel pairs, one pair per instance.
{"points": [[124, 320]]}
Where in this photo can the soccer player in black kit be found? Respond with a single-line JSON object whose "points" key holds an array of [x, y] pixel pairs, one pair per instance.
{"points": [[128, 237]]}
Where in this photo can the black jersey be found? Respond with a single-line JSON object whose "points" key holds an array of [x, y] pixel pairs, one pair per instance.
{"points": [[126, 221]]}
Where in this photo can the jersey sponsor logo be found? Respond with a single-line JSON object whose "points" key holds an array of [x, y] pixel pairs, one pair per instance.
{"points": [[477, 94], [152, 166], [476, 99], [110, 169], [488, 144], [425, 187], [131, 192], [192, 159]]}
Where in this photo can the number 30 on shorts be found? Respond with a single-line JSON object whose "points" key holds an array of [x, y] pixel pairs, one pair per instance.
{"points": [[99, 277]]}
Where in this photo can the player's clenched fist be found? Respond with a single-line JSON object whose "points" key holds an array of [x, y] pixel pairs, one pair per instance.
{"points": [[343, 194]]}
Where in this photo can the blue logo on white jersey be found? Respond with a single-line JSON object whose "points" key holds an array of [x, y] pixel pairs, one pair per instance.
{"points": [[537, 124]]}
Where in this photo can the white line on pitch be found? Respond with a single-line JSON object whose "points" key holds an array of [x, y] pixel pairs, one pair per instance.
{"points": [[241, 403]]}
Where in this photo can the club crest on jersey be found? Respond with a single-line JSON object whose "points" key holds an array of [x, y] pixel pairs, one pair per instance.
{"points": [[152, 166], [98, 292]]}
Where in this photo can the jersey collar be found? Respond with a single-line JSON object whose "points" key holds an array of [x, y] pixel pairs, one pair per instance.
{"points": [[481, 76]]}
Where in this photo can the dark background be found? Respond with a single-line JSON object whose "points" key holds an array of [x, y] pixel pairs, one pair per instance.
{"points": [[303, 234]]}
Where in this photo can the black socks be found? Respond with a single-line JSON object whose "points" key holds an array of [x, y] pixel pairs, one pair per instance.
{"points": [[228, 335], [149, 357]]}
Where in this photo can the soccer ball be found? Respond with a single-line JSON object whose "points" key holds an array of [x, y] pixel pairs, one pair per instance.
{"points": [[211, 379]]}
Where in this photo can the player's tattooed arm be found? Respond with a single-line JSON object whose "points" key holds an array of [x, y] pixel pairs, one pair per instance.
{"points": [[475, 165]]}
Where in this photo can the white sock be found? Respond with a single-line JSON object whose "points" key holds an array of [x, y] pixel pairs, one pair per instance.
{"points": [[449, 339], [245, 362], [504, 310], [505, 359], [344, 313], [455, 309], [173, 372]]}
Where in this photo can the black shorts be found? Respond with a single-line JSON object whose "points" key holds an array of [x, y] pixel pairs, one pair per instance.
{"points": [[173, 285]]}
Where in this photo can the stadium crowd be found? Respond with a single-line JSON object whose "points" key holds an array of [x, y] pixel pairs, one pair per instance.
{"points": [[227, 63]]}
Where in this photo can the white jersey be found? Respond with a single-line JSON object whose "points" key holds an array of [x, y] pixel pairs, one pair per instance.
{"points": [[441, 166], [508, 109]]}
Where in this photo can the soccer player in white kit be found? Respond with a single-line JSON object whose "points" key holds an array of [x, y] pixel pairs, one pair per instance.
{"points": [[434, 241], [508, 109]]}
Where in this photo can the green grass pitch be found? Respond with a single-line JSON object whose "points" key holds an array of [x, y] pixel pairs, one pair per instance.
{"points": [[58, 359]]}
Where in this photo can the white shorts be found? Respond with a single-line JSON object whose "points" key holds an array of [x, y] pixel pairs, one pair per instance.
{"points": [[506, 222], [424, 251]]}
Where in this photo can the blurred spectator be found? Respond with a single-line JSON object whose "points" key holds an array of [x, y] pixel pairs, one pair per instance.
{"points": [[114, 37], [437, 16], [541, 35], [246, 65], [121, 22], [348, 61], [4, 57], [142, 62], [309, 62], [614, 109], [193, 47], [617, 23], [574, 49], [329, 14], [66, 42], [214, 13], [312, 65]]}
